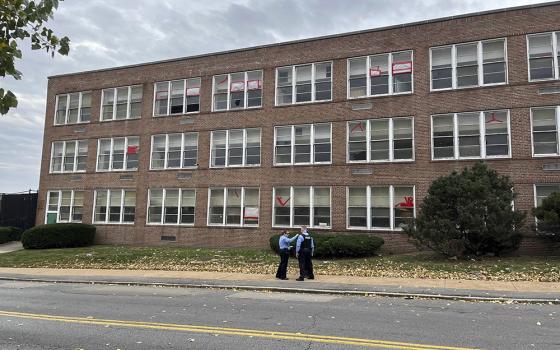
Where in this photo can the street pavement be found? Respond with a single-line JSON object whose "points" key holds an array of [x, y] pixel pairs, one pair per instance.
{"points": [[36, 315]]}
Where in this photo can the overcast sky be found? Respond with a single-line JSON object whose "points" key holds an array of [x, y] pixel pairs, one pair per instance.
{"points": [[107, 33]]}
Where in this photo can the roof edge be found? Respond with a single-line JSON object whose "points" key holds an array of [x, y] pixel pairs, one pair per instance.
{"points": [[324, 37]]}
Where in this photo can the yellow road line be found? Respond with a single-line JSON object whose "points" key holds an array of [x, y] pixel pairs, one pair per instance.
{"points": [[234, 331]]}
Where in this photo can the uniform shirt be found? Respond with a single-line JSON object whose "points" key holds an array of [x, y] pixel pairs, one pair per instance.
{"points": [[284, 241], [300, 240]]}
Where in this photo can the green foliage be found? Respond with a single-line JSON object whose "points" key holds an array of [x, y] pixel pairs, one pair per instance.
{"points": [[469, 213], [58, 236], [548, 217], [339, 246], [21, 20], [8, 234]]}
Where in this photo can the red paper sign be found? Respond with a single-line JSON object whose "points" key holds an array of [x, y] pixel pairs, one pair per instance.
{"points": [[281, 201], [132, 150], [374, 72], [402, 67], [193, 91], [407, 203], [237, 86], [254, 84], [356, 127]]}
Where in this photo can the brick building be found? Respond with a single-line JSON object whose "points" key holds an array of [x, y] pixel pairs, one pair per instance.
{"points": [[343, 133]]}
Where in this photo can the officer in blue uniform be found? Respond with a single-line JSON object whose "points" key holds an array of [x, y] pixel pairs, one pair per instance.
{"points": [[304, 251], [284, 243]]}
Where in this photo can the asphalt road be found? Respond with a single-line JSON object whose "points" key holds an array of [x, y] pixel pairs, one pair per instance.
{"points": [[72, 316]]}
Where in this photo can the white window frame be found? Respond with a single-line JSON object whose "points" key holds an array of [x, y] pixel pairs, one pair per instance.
{"points": [[68, 107], [242, 204], [179, 211], [480, 65], [245, 91], [311, 190], [293, 145], [368, 207], [482, 129], [108, 191], [165, 167], [368, 77], [243, 164], [128, 101], [535, 191], [125, 159], [57, 212], [555, 36], [368, 142], [557, 118], [75, 168], [169, 114], [313, 100]]}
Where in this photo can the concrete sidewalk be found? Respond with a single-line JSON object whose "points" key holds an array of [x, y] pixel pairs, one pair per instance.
{"points": [[403, 287], [10, 247]]}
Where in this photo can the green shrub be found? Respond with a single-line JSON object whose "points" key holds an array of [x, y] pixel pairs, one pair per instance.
{"points": [[468, 213], [58, 236], [339, 246], [548, 217], [8, 234]]}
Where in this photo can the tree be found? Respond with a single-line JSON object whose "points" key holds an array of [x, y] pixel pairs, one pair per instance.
{"points": [[19, 20], [469, 213], [548, 217]]}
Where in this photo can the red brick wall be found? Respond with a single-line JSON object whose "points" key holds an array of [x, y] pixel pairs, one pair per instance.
{"points": [[518, 96]]}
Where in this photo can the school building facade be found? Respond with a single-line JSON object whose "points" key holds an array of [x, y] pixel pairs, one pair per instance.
{"points": [[342, 133]]}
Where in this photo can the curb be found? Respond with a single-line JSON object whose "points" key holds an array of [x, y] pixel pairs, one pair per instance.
{"points": [[404, 295]]}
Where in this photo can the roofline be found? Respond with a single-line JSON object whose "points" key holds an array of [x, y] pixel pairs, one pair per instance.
{"points": [[331, 36]]}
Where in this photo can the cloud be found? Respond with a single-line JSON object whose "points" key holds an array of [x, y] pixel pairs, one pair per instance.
{"points": [[106, 33]]}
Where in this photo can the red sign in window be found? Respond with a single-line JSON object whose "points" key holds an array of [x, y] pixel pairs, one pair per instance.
{"points": [[402, 67], [132, 150]]}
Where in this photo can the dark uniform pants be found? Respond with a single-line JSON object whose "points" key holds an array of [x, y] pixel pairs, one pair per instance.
{"points": [[305, 264], [283, 267]]}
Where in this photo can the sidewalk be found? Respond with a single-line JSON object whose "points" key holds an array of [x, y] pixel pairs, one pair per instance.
{"points": [[400, 287], [10, 247]]}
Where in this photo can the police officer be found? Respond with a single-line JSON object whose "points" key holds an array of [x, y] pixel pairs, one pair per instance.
{"points": [[304, 251], [284, 244]]}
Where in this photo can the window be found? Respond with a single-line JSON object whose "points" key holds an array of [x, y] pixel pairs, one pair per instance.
{"points": [[114, 206], [467, 65], [545, 125], [302, 144], [69, 156], [233, 206], [381, 140], [171, 206], [174, 151], [385, 74], [304, 83], [471, 135], [73, 108], [235, 148], [544, 56], [237, 91], [544, 190], [121, 103], [118, 154], [64, 206], [177, 97], [380, 207], [296, 206]]}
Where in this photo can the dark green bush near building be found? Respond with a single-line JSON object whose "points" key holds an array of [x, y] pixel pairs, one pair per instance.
{"points": [[58, 236], [469, 213], [548, 217], [338, 246], [8, 234]]}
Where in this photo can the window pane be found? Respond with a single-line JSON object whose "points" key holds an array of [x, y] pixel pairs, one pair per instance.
{"points": [[122, 103], [85, 111], [73, 108], [254, 88], [233, 206], [282, 206], [357, 77], [177, 96], [497, 136], [135, 101], [494, 64], [302, 143], [188, 199], [193, 95], [284, 86], [235, 147], [301, 206], [53, 201], [545, 134], [253, 150], [321, 207], [402, 82], [322, 81], [220, 92], [115, 206], [57, 153], [104, 161], [190, 151], [101, 206], [467, 65], [61, 109], [251, 207], [77, 207], [155, 206], [158, 152], [322, 143], [108, 100], [402, 138], [443, 136], [404, 206], [218, 148], [171, 207], [129, 206], [162, 95], [174, 151], [543, 191], [379, 74], [379, 136], [469, 134], [303, 83], [217, 206], [283, 145], [132, 153], [541, 61], [441, 68], [380, 207], [357, 143], [69, 156], [357, 207], [237, 89], [64, 210]]}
